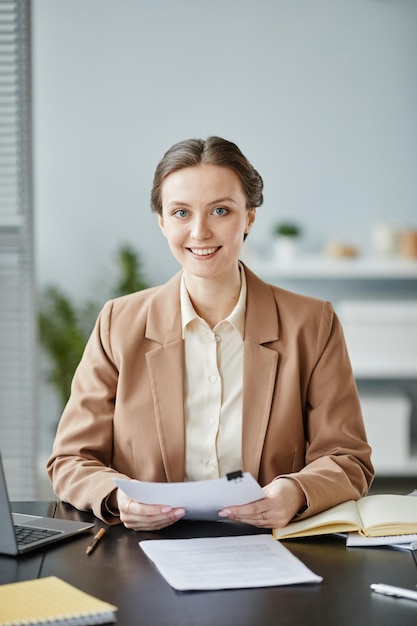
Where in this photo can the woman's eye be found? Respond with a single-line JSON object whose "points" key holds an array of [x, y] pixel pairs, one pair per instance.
{"points": [[221, 210], [181, 213]]}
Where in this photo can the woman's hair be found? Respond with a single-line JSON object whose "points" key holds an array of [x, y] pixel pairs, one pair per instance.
{"points": [[211, 151]]}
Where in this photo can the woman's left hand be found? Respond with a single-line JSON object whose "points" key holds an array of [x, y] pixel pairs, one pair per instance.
{"points": [[284, 498]]}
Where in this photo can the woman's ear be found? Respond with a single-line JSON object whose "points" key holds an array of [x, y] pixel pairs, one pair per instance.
{"points": [[250, 219], [161, 224]]}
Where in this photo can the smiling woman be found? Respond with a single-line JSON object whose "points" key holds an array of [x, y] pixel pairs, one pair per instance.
{"points": [[205, 218], [213, 371]]}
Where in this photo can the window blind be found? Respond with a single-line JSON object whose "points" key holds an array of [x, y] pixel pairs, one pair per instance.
{"points": [[17, 310]]}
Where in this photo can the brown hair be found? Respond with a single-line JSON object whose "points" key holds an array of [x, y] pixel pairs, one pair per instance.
{"points": [[211, 151]]}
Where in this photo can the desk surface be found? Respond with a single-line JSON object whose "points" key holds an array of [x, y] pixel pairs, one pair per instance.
{"points": [[120, 573]]}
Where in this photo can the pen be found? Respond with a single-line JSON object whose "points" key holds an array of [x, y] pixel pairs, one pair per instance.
{"points": [[397, 592], [414, 551], [95, 540]]}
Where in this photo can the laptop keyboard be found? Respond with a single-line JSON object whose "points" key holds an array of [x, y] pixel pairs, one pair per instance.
{"points": [[26, 534]]}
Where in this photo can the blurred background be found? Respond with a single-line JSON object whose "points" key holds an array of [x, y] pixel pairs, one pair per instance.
{"points": [[321, 95]]}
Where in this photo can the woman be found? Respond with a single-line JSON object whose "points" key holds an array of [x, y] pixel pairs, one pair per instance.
{"points": [[213, 371]]}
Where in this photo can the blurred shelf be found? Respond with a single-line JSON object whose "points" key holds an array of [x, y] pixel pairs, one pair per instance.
{"points": [[321, 267], [381, 337], [407, 468], [373, 368]]}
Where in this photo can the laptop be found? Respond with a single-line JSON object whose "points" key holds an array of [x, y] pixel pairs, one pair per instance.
{"points": [[22, 533]]}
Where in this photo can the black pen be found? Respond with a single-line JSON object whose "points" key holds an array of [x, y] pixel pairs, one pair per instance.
{"points": [[95, 541]]}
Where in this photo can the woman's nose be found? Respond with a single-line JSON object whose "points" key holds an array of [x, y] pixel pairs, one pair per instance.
{"points": [[200, 229]]}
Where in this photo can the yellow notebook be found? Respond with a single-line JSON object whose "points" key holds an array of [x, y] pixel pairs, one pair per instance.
{"points": [[50, 601], [371, 516]]}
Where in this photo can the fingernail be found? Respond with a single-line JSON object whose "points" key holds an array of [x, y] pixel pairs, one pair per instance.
{"points": [[179, 513], [166, 509], [224, 513]]}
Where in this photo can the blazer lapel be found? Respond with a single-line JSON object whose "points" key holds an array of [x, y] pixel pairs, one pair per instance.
{"points": [[166, 373], [166, 376], [259, 369]]}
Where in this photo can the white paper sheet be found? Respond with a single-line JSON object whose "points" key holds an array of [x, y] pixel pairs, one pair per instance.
{"points": [[202, 500], [355, 540], [226, 562]]}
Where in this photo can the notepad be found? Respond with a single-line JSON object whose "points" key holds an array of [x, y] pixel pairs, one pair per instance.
{"points": [[51, 601], [371, 516]]}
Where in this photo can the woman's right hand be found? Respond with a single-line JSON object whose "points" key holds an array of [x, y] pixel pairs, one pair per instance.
{"points": [[139, 516]]}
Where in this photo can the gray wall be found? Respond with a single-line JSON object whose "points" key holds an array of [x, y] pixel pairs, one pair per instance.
{"points": [[320, 94]]}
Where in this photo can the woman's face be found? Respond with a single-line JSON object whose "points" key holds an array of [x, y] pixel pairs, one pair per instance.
{"points": [[204, 218]]}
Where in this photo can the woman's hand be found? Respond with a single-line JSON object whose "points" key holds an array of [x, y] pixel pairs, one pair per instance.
{"points": [[284, 498], [138, 516]]}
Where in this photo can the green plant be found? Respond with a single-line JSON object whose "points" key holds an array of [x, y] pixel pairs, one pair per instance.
{"points": [[65, 327], [63, 332], [287, 229], [130, 278]]}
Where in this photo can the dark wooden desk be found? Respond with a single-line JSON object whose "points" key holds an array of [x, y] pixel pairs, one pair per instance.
{"points": [[119, 572]]}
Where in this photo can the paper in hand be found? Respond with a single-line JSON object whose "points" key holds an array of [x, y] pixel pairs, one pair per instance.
{"points": [[202, 500]]}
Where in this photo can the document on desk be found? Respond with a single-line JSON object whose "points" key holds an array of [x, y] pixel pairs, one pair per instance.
{"points": [[226, 562], [202, 500]]}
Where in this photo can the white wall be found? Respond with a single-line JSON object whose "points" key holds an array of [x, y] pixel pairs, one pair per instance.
{"points": [[320, 94]]}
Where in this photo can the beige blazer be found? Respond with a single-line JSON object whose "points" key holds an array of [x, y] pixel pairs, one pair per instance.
{"points": [[301, 413]]}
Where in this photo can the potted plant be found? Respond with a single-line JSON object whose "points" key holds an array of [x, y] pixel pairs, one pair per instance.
{"points": [[65, 326], [286, 236]]}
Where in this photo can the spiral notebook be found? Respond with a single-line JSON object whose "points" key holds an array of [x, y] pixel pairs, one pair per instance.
{"points": [[51, 601]]}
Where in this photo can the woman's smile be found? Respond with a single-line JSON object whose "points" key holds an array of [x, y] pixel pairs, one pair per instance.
{"points": [[204, 252]]}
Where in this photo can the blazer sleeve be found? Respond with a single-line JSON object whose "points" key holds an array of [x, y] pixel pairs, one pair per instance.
{"points": [[337, 457], [79, 466]]}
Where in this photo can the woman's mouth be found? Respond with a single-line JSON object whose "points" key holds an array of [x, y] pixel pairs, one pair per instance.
{"points": [[204, 251]]}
